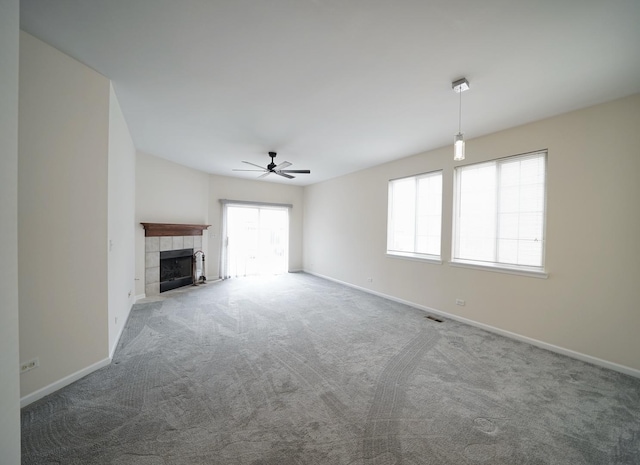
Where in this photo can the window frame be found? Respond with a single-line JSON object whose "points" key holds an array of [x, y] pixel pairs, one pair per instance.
{"points": [[501, 267], [418, 256]]}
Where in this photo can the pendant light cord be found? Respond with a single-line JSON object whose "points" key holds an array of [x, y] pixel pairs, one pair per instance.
{"points": [[460, 114]]}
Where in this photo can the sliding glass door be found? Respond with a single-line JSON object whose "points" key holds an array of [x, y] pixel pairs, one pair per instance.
{"points": [[257, 240]]}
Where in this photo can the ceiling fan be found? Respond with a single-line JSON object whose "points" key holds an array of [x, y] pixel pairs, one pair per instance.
{"points": [[276, 169]]}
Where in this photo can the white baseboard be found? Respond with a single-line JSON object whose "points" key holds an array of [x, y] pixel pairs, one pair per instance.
{"points": [[53, 387], [115, 345], [140, 296], [535, 342]]}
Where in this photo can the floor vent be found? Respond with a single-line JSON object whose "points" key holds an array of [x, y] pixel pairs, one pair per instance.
{"points": [[433, 318]]}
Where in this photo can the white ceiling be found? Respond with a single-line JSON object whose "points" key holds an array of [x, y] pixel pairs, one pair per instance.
{"points": [[336, 86]]}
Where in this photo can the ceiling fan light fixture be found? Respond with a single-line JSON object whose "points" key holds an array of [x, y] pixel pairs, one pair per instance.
{"points": [[459, 87]]}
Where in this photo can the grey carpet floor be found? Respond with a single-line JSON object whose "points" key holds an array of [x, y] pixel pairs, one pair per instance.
{"points": [[299, 370]]}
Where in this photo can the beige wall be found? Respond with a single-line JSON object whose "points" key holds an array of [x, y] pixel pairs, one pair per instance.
{"points": [[223, 187], [588, 304], [121, 214], [9, 379], [62, 223], [166, 193]]}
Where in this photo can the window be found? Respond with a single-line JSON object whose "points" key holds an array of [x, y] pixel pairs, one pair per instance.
{"points": [[415, 216], [500, 213]]}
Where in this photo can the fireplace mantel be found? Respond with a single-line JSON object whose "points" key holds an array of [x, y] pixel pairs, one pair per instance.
{"points": [[169, 229]]}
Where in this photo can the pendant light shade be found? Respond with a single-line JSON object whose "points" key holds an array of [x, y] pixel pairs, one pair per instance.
{"points": [[459, 87], [458, 147]]}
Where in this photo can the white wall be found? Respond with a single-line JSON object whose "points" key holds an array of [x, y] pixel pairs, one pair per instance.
{"points": [[9, 380], [121, 214], [167, 193], [223, 187], [62, 221], [588, 304]]}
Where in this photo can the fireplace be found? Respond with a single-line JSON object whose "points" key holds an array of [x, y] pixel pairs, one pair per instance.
{"points": [[176, 269], [183, 240]]}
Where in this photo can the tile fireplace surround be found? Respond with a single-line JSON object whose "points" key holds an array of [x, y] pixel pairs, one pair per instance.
{"points": [[160, 237]]}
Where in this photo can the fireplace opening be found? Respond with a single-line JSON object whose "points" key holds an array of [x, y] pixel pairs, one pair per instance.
{"points": [[176, 269]]}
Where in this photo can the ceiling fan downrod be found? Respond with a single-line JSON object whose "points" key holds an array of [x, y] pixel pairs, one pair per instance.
{"points": [[272, 165]]}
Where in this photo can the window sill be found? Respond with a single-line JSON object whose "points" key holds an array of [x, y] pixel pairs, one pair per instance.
{"points": [[532, 273], [416, 257]]}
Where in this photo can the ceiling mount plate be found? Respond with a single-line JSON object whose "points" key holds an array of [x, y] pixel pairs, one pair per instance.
{"points": [[460, 85]]}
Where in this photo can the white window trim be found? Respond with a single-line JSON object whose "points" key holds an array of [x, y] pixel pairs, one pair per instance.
{"points": [[521, 270], [436, 259]]}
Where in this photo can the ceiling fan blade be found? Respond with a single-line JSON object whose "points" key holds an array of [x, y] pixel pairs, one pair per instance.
{"points": [[253, 164], [285, 175], [265, 174], [284, 164], [296, 171]]}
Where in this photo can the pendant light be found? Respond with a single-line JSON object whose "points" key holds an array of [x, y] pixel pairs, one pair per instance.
{"points": [[459, 86]]}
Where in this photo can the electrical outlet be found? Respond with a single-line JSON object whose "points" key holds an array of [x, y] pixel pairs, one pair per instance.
{"points": [[460, 302], [116, 320], [370, 280], [30, 365]]}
